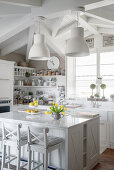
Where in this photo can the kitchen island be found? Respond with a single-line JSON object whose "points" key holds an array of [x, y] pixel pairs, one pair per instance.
{"points": [[81, 148]]}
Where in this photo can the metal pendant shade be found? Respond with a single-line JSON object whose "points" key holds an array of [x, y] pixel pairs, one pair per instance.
{"points": [[39, 50], [76, 46]]}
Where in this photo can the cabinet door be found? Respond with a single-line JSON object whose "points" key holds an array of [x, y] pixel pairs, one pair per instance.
{"points": [[5, 70], [93, 145], [103, 131], [75, 145], [111, 127]]}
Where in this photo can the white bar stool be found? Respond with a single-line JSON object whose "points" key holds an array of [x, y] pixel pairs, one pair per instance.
{"points": [[42, 143], [12, 136]]}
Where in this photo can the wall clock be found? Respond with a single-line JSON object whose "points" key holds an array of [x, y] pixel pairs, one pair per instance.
{"points": [[53, 63]]}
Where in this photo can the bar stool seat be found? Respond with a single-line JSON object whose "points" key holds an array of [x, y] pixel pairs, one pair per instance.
{"points": [[51, 141]]}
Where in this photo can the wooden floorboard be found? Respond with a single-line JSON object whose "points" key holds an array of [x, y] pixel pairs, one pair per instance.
{"points": [[106, 160]]}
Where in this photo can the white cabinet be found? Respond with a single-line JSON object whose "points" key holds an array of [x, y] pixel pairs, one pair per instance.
{"points": [[111, 128], [93, 142], [6, 79], [103, 131]]}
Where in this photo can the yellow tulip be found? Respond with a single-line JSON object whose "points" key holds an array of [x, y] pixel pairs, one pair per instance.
{"points": [[61, 106], [46, 113], [50, 112], [65, 108], [53, 103], [63, 113], [56, 104], [50, 107]]}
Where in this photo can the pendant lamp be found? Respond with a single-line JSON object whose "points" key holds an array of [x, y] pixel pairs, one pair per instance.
{"points": [[39, 49], [77, 46]]}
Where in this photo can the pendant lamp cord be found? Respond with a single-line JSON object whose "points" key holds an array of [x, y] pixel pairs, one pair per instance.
{"points": [[77, 19]]}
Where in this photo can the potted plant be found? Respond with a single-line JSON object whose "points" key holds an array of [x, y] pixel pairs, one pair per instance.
{"points": [[103, 86], [56, 111], [92, 86], [27, 74], [112, 97], [97, 95]]}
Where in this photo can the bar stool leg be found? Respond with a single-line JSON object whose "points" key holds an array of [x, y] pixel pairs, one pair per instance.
{"points": [[29, 158], [60, 156], [3, 156], [33, 159], [9, 157], [18, 157], [45, 160]]}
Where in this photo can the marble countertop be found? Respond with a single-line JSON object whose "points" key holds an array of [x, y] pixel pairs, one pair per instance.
{"points": [[43, 120]]}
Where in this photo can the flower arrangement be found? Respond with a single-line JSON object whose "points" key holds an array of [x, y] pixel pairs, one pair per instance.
{"points": [[56, 111]]}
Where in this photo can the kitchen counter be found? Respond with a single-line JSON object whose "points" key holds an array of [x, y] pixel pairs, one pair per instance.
{"points": [[42, 119], [80, 135]]}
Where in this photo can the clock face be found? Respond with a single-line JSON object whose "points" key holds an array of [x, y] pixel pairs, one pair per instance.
{"points": [[53, 63]]}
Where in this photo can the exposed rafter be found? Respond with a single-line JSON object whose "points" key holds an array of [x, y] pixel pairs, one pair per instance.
{"points": [[99, 17], [98, 4], [65, 29], [106, 30], [87, 26], [57, 26], [23, 2], [24, 24], [14, 46], [100, 23]]}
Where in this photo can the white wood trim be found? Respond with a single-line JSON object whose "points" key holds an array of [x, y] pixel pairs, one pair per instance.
{"points": [[14, 46], [57, 26], [98, 4], [22, 25], [23, 2]]}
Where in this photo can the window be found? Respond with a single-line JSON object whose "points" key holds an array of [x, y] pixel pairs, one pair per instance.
{"points": [[107, 71], [85, 75], [81, 72]]}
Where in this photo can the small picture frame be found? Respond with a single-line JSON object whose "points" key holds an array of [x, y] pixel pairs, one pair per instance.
{"points": [[90, 42]]}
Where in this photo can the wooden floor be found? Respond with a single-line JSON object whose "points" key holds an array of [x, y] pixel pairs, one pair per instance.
{"points": [[106, 161]]}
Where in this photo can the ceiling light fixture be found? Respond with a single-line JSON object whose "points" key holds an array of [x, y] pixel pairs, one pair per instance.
{"points": [[77, 46], [39, 49]]}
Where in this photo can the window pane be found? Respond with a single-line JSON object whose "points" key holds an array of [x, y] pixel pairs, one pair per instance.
{"points": [[107, 71], [85, 75], [81, 72]]}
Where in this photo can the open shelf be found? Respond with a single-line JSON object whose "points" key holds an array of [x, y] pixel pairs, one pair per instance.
{"points": [[35, 86]]}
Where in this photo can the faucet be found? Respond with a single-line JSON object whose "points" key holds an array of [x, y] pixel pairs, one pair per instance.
{"points": [[95, 103]]}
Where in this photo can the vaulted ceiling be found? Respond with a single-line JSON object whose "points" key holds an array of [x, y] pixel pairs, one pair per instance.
{"points": [[17, 22]]}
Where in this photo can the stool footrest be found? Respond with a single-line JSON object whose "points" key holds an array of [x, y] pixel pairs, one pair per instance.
{"points": [[41, 164]]}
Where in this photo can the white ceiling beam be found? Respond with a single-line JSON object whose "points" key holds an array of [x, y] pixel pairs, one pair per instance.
{"points": [[99, 17], [98, 4], [55, 6], [87, 26], [14, 46], [11, 15], [57, 26], [106, 30], [51, 40], [24, 24], [30, 40], [100, 23], [65, 29], [87, 33], [23, 2]]}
